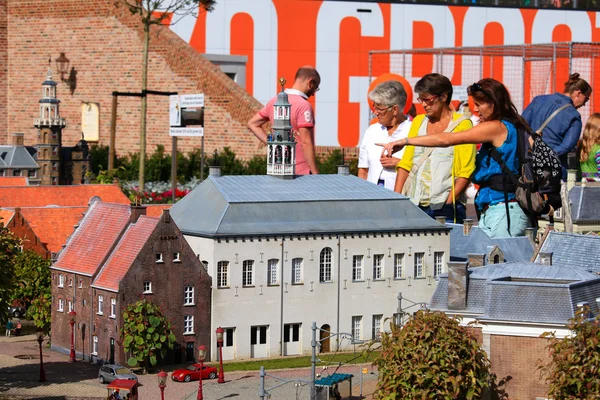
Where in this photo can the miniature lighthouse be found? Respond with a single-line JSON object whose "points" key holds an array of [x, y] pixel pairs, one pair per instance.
{"points": [[281, 156]]}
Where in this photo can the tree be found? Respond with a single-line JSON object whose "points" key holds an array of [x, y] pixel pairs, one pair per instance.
{"points": [[572, 371], [431, 357], [146, 333], [158, 12], [33, 286], [9, 247]]}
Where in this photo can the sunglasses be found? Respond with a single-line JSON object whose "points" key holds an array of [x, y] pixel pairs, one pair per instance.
{"points": [[476, 87]]}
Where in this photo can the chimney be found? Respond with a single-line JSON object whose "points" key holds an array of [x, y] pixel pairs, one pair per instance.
{"points": [[530, 233], [545, 258], [17, 139], [476, 259], [343, 170], [136, 212], [166, 216], [467, 226], [214, 171], [441, 220], [458, 282]]}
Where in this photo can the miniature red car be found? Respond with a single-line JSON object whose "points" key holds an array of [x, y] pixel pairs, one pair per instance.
{"points": [[192, 373]]}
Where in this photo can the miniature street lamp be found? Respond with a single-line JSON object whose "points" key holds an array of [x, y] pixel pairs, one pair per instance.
{"points": [[201, 355], [40, 338], [162, 383], [62, 65], [219, 332], [72, 314]]}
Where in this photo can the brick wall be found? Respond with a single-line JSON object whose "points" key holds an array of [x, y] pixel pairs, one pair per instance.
{"points": [[30, 241], [518, 357], [3, 68]]}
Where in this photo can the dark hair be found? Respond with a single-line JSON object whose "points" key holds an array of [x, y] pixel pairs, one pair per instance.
{"points": [[307, 72], [491, 91], [576, 83], [435, 84]]}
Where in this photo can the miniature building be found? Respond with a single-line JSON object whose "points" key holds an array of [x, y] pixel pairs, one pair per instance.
{"points": [[17, 160], [281, 157]]}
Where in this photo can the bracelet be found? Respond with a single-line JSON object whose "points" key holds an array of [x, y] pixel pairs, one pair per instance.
{"points": [[406, 143]]}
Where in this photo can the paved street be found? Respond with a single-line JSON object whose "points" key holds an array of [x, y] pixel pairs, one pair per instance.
{"points": [[19, 375]]}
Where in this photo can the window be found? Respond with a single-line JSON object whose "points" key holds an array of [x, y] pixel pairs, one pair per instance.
{"points": [[296, 271], [357, 268], [159, 258], [54, 150], [32, 173], [356, 327], [147, 287], [95, 346], [100, 304], [291, 333], [228, 337], [70, 304], [188, 296], [16, 172], [80, 283], [61, 280], [248, 273], [376, 334], [61, 305], [399, 266], [377, 267], [258, 335], [325, 265], [176, 257], [70, 282], [188, 324], [419, 264], [55, 166], [113, 307], [222, 274], [272, 273], [438, 261]]}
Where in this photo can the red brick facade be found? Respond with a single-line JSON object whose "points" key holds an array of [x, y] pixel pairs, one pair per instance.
{"points": [[19, 226]]}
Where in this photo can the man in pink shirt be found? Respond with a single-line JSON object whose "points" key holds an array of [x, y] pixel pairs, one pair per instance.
{"points": [[306, 84]]}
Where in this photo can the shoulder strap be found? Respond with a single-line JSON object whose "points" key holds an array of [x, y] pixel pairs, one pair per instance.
{"points": [[550, 118]]}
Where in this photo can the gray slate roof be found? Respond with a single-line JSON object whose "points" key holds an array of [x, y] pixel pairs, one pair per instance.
{"points": [[524, 292], [17, 157], [266, 205], [477, 242], [570, 249], [584, 203]]}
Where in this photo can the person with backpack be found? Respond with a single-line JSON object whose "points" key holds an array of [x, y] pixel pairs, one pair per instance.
{"points": [[556, 119], [501, 161]]}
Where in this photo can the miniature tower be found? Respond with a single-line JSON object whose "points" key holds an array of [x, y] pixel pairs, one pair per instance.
{"points": [[50, 126], [281, 156]]}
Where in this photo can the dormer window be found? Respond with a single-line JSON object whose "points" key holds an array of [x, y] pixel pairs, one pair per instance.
{"points": [[159, 258]]}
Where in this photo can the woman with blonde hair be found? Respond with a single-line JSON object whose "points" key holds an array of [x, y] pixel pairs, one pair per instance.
{"points": [[589, 153]]}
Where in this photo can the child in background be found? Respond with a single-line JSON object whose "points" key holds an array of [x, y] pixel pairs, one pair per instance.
{"points": [[589, 153]]}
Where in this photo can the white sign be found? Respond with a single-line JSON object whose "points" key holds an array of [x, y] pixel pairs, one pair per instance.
{"points": [[174, 111], [199, 131], [191, 100], [459, 92]]}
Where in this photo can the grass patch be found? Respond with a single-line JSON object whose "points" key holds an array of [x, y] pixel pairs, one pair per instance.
{"points": [[298, 362]]}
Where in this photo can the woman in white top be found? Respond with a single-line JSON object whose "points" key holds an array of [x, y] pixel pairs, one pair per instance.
{"points": [[389, 99]]}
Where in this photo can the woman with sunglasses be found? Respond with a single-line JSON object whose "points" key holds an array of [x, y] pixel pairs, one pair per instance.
{"points": [[497, 129], [439, 177]]}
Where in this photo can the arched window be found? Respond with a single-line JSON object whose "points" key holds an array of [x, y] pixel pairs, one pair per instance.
{"points": [[325, 265]]}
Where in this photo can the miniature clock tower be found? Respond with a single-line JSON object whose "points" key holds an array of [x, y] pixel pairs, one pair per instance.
{"points": [[50, 126], [281, 156]]}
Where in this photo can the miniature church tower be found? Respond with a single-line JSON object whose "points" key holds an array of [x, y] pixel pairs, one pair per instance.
{"points": [[281, 156], [50, 126]]}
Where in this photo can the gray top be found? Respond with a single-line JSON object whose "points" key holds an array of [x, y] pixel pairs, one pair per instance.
{"points": [[570, 249], [266, 205], [477, 242], [17, 157], [524, 292], [584, 203]]}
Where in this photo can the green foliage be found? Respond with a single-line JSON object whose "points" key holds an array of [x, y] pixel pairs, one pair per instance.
{"points": [[329, 164], [146, 333], [572, 371], [9, 248], [33, 286], [431, 357]]}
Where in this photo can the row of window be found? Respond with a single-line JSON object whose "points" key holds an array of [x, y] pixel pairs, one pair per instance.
{"points": [[188, 293], [30, 173], [326, 268], [159, 257]]}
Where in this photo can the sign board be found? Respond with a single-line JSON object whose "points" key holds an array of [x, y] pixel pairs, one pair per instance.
{"points": [[174, 111], [191, 100], [90, 121], [198, 131], [459, 92]]}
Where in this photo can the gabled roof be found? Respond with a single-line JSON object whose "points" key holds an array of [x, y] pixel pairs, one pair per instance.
{"points": [[125, 253], [573, 250], [156, 210], [53, 225], [97, 234], [477, 242], [6, 216], [266, 205], [60, 195], [523, 292], [13, 181], [584, 203], [17, 157]]}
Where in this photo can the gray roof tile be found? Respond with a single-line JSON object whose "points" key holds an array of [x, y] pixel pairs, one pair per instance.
{"points": [[569, 249]]}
